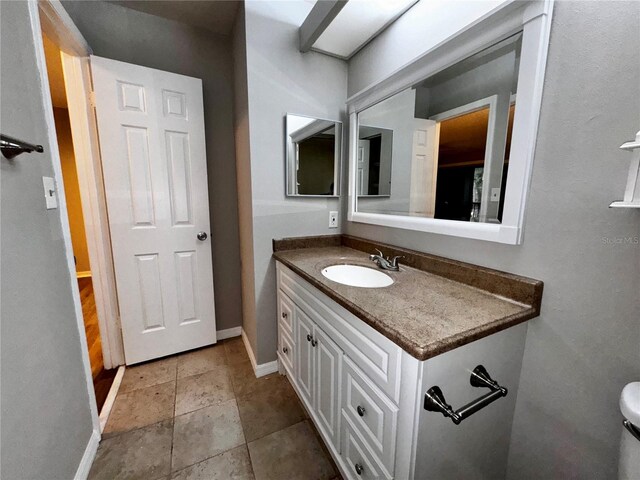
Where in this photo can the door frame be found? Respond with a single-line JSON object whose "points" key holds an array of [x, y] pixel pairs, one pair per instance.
{"points": [[52, 11], [75, 51], [50, 17]]}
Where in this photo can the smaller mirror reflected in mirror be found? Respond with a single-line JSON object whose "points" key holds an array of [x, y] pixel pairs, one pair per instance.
{"points": [[375, 149], [313, 156]]}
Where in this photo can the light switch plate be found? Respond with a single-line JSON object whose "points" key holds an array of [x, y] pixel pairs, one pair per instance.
{"points": [[495, 194], [333, 219], [50, 195]]}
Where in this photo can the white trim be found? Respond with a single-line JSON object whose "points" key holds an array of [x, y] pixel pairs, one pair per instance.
{"points": [[60, 28], [111, 398], [464, 109], [52, 147], [262, 369], [534, 20], [229, 333], [94, 208], [86, 274], [247, 345], [266, 368], [89, 456]]}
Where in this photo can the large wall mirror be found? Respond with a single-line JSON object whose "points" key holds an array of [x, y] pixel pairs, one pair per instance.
{"points": [[313, 156], [450, 152], [444, 150]]}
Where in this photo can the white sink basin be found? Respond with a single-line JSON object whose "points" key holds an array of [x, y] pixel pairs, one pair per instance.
{"points": [[356, 276]]}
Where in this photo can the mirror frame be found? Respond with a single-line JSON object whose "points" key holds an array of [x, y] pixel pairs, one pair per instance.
{"points": [[533, 19], [337, 162]]}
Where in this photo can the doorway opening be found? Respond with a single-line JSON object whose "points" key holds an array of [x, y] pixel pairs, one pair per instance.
{"points": [[102, 378]]}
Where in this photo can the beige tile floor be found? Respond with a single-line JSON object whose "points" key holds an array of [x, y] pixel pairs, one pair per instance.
{"points": [[204, 415]]}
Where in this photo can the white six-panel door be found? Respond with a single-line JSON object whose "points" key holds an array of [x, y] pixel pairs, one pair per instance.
{"points": [[151, 128]]}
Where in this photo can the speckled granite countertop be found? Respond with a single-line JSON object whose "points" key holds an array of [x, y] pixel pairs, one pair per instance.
{"points": [[424, 313]]}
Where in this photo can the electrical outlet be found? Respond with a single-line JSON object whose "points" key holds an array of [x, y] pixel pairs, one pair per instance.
{"points": [[333, 219]]}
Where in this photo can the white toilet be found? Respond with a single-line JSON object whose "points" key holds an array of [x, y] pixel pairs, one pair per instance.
{"points": [[629, 466]]}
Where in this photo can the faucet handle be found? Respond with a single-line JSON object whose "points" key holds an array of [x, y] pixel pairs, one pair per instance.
{"points": [[394, 260], [373, 255]]}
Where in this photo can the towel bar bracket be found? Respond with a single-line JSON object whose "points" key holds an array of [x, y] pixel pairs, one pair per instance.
{"points": [[12, 147]]}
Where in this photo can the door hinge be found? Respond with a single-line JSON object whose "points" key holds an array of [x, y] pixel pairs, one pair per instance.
{"points": [[92, 98]]}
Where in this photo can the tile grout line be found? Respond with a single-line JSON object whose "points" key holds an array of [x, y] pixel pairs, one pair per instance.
{"points": [[234, 399], [173, 423]]}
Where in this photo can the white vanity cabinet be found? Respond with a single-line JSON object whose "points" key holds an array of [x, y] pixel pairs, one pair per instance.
{"points": [[365, 394]]}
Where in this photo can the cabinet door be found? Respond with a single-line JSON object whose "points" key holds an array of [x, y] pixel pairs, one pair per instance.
{"points": [[304, 356], [327, 376]]}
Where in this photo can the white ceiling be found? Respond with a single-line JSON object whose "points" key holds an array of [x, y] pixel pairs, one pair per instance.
{"points": [[216, 16]]}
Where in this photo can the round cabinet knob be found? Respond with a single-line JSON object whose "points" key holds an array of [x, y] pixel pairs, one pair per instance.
{"points": [[360, 410], [285, 349], [359, 469], [309, 337], [202, 236], [314, 343], [284, 314]]}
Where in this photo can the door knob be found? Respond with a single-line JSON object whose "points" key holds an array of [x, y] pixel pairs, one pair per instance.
{"points": [[359, 468], [202, 236]]}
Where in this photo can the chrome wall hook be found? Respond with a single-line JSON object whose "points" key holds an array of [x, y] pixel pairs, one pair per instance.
{"points": [[12, 147]]}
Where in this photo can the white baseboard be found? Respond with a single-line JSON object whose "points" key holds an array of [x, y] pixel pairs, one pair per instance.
{"points": [[111, 398], [262, 369], [89, 455], [229, 333], [83, 274], [266, 368]]}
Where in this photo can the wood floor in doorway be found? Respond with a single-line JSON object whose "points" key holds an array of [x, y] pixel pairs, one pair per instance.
{"points": [[102, 379]]}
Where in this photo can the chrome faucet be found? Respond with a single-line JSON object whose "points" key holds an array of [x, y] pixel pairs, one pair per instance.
{"points": [[385, 263]]}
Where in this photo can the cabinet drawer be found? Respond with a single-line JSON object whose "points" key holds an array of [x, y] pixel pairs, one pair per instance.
{"points": [[285, 313], [371, 412], [361, 463], [286, 353]]}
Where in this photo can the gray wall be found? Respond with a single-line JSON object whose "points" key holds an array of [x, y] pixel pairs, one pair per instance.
{"points": [[46, 421], [282, 80], [584, 347], [130, 36], [243, 169]]}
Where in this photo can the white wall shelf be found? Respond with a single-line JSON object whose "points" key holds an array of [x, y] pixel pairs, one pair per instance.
{"points": [[632, 191]]}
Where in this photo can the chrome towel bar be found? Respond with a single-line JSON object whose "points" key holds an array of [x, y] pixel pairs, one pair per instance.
{"points": [[434, 400], [12, 147]]}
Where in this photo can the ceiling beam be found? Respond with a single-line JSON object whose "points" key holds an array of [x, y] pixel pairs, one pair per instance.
{"points": [[319, 18]]}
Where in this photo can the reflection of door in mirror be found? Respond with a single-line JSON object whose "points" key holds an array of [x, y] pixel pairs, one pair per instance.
{"points": [[363, 166], [424, 168]]}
